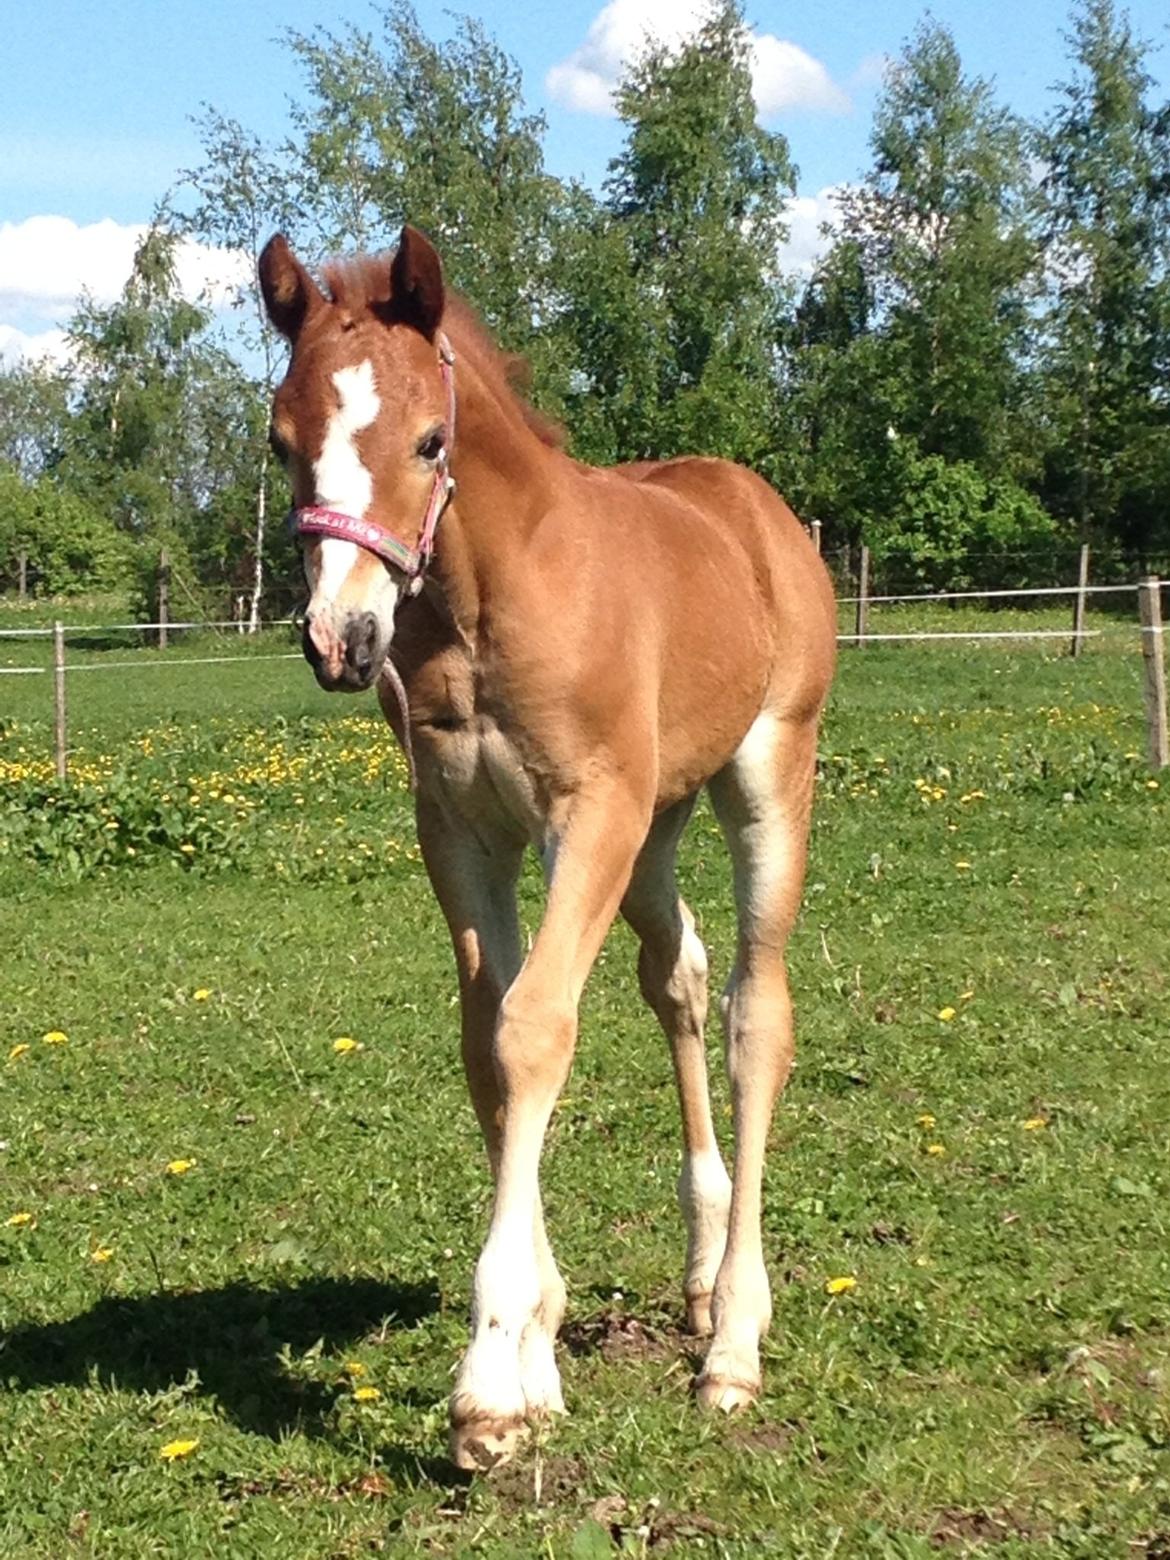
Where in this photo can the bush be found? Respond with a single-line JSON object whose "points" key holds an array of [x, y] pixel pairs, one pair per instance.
{"points": [[950, 527], [71, 547]]}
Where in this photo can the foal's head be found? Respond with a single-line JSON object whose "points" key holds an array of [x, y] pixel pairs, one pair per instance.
{"points": [[361, 424]]}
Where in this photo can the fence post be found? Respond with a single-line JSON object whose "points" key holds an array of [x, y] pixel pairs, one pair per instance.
{"points": [[1078, 638], [164, 592], [1153, 655], [862, 597], [814, 528], [22, 573], [59, 696]]}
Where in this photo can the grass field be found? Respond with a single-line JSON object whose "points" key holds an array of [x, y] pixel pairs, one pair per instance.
{"points": [[218, 1230]]}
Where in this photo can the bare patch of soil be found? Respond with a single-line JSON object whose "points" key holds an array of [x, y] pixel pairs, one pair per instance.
{"points": [[616, 1335], [539, 1480], [952, 1526]]}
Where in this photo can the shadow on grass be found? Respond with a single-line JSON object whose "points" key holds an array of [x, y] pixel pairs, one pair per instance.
{"points": [[231, 1338]]}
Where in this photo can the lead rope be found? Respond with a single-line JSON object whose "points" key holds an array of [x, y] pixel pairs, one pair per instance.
{"points": [[390, 673]]}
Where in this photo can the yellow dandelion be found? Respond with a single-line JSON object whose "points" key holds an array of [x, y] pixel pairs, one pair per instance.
{"points": [[366, 1394], [840, 1286], [946, 1014], [18, 1050], [173, 1450], [18, 1221], [187, 848], [55, 1037], [180, 1166], [101, 1253], [937, 1149], [962, 866], [354, 1368], [925, 1120], [345, 1044], [1151, 785], [1034, 1123], [202, 994]]}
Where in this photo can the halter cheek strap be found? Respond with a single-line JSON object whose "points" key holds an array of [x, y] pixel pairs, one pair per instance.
{"points": [[413, 560]]}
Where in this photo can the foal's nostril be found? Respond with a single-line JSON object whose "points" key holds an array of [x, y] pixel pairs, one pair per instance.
{"points": [[360, 644]]}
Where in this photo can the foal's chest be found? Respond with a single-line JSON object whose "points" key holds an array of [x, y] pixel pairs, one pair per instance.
{"points": [[462, 754], [479, 771]]}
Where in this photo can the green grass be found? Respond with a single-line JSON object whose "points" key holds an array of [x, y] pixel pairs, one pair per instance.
{"points": [[997, 1377]]}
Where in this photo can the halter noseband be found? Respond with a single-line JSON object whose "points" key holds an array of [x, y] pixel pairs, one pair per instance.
{"points": [[312, 520]]}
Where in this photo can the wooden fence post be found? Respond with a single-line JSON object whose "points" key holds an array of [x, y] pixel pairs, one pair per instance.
{"points": [[814, 527], [1154, 658], [22, 573], [862, 597], [164, 592], [1078, 638], [59, 696]]}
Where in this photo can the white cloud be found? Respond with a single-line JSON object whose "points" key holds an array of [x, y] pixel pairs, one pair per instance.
{"points": [[46, 346], [783, 74], [805, 215], [46, 261], [871, 70]]}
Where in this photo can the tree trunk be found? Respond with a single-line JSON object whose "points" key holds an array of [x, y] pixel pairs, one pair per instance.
{"points": [[261, 515]]}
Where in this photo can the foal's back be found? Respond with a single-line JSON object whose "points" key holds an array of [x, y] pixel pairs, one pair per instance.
{"points": [[699, 602]]}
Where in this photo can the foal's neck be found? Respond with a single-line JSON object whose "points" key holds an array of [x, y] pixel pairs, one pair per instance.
{"points": [[504, 476]]}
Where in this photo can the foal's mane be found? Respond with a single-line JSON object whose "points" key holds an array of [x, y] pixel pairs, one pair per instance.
{"points": [[362, 284]]}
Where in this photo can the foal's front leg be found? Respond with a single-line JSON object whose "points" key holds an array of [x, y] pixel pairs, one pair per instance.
{"points": [[593, 851], [473, 872]]}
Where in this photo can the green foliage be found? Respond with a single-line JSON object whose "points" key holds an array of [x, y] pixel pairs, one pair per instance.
{"points": [[924, 291], [962, 313], [34, 417], [1104, 212], [695, 214], [949, 525], [406, 128], [81, 831], [157, 403], [71, 546]]}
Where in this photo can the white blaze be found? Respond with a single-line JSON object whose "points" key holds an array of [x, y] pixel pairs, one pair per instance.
{"points": [[343, 483], [341, 479]]}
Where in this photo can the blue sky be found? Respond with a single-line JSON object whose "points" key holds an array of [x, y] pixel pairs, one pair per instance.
{"points": [[98, 99]]}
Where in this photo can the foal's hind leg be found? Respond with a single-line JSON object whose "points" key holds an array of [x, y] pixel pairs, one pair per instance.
{"points": [[762, 799], [672, 973], [474, 877]]}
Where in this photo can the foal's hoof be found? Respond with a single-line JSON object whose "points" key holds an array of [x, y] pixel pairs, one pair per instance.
{"points": [[482, 1444], [725, 1393]]}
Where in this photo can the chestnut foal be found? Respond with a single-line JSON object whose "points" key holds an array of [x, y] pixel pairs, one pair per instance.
{"points": [[567, 658]]}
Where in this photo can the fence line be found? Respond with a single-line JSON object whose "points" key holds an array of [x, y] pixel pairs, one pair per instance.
{"points": [[991, 633], [194, 660], [1151, 638], [111, 628], [988, 595], [844, 601]]}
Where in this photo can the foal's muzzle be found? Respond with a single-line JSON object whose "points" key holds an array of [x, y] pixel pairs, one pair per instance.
{"points": [[349, 661]]}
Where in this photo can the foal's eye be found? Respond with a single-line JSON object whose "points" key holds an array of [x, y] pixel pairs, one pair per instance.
{"points": [[432, 446]]}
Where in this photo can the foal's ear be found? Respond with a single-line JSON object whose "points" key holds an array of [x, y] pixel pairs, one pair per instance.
{"points": [[290, 293], [416, 283]]}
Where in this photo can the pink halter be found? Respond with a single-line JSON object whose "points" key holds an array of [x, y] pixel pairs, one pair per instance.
{"points": [[312, 520]]}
